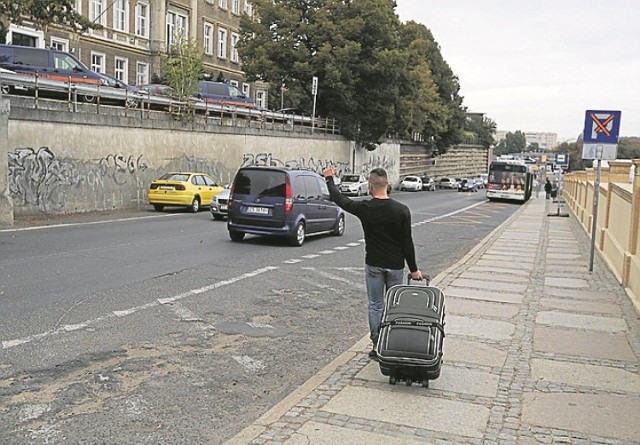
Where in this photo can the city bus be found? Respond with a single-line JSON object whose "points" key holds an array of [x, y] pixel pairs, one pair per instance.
{"points": [[510, 180]]}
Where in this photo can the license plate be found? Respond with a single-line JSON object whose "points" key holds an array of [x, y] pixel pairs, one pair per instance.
{"points": [[223, 207], [258, 210], [166, 187]]}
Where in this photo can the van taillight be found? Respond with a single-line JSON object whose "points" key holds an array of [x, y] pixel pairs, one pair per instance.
{"points": [[288, 196], [230, 200]]}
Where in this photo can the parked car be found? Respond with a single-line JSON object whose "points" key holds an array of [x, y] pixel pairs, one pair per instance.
{"points": [[277, 201], [186, 189], [134, 94], [220, 204], [356, 185], [156, 89], [447, 183], [467, 185], [479, 182], [411, 183], [224, 94], [428, 184]]}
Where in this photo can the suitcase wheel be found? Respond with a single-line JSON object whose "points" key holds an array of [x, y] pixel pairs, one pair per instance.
{"points": [[425, 383], [392, 380]]}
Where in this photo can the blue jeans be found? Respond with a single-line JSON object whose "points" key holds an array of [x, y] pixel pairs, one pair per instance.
{"points": [[378, 280]]}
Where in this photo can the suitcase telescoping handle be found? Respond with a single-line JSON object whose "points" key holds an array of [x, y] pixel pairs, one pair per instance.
{"points": [[425, 278]]}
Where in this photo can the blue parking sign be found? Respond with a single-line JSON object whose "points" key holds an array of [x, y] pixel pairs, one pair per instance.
{"points": [[601, 127]]}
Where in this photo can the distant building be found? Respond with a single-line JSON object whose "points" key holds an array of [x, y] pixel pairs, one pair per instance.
{"points": [[545, 141]]}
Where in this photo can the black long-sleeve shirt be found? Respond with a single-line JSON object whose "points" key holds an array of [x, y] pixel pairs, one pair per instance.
{"points": [[387, 229]]}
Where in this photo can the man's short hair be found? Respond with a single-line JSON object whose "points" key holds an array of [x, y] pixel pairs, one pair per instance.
{"points": [[378, 178]]}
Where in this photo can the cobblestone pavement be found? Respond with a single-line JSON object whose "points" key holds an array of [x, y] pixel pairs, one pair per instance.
{"points": [[538, 351]]}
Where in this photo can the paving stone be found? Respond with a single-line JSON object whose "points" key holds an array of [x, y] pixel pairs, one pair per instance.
{"points": [[569, 305], [576, 294], [458, 350], [500, 271], [577, 374], [583, 344], [484, 308], [566, 282], [316, 433], [479, 294], [524, 258], [602, 415], [491, 329], [504, 265], [405, 407], [579, 321], [490, 285], [452, 378]]}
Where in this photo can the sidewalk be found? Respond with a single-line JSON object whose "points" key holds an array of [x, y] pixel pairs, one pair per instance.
{"points": [[538, 351]]}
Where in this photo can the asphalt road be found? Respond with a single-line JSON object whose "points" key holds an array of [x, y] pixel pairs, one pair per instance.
{"points": [[155, 328]]}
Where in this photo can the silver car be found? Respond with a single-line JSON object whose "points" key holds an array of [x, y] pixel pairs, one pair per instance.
{"points": [[354, 185], [219, 204]]}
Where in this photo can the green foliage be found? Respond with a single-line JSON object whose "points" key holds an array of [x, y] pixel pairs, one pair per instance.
{"points": [[629, 148], [376, 75], [44, 13], [183, 68], [513, 143], [482, 128]]}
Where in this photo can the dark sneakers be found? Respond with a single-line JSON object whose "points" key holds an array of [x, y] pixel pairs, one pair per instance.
{"points": [[373, 355]]}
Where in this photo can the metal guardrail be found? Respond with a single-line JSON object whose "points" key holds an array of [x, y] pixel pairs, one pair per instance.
{"points": [[76, 93]]}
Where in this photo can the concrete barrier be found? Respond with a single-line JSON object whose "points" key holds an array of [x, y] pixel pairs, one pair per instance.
{"points": [[618, 218]]}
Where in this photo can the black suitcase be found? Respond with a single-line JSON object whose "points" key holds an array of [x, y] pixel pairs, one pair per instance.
{"points": [[411, 337]]}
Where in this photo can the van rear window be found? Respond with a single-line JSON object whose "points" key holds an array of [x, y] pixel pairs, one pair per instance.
{"points": [[27, 56], [260, 183]]}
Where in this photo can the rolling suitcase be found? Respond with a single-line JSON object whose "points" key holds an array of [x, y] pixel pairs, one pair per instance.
{"points": [[412, 334]]}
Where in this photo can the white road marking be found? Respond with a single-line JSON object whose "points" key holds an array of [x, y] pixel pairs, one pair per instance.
{"points": [[292, 261], [7, 344]]}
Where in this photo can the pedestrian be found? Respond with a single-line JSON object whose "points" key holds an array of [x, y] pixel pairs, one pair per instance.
{"points": [[547, 188], [388, 241]]}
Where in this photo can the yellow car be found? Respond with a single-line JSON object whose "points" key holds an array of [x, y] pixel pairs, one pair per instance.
{"points": [[189, 189]]}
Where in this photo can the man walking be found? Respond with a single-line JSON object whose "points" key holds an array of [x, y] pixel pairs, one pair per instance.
{"points": [[388, 242]]}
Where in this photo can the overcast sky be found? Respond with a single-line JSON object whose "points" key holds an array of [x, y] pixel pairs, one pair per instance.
{"points": [[539, 65]]}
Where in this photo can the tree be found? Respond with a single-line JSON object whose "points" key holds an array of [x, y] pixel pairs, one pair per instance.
{"points": [[368, 80], [513, 143], [43, 13], [482, 128], [183, 68]]}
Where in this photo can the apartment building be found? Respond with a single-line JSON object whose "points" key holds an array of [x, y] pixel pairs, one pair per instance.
{"points": [[136, 32]]}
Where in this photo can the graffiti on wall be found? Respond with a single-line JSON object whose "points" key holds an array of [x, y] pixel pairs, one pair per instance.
{"points": [[373, 161], [268, 160], [41, 179]]}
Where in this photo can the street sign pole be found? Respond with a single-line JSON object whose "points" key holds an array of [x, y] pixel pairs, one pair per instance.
{"points": [[314, 91], [596, 200], [601, 128]]}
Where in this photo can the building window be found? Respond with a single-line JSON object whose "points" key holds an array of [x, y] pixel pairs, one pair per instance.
{"points": [[78, 6], [121, 71], [222, 43], [246, 89], [176, 28], [97, 62], [120, 15], [247, 7], [142, 73], [234, 47], [59, 44], [96, 10], [208, 38], [222, 4], [260, 99], [235, 7], [234, 83], [142, 19]]}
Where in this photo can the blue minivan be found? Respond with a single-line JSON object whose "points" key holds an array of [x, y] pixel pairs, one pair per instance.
{"points": [[47, 63], [223, 94], [277, 201]]}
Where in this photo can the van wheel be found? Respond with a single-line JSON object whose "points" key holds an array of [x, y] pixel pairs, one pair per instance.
{"points": [[339, 229], [236, 236], [88, 98], [195, 205], [297, 237]]}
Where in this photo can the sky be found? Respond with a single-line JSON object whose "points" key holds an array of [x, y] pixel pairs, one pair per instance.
{"points": [[539, 65]]}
